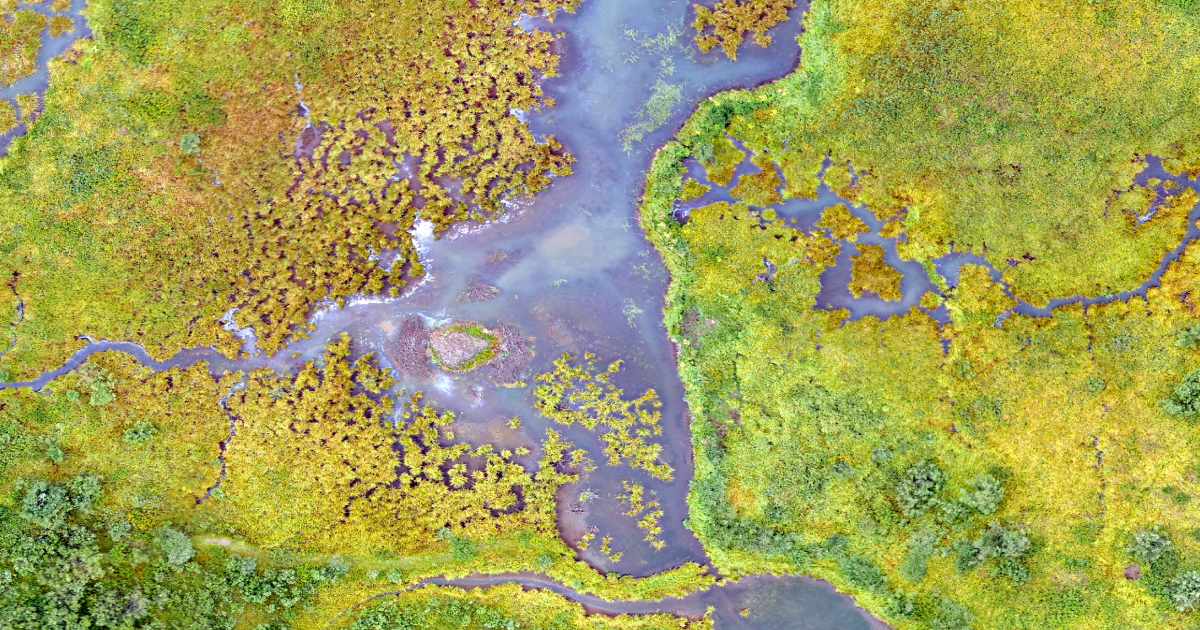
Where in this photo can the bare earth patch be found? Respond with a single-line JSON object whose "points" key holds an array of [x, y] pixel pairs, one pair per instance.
{"points": [[460, 347]]}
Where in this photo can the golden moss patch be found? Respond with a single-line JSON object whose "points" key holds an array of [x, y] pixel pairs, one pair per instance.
{"points": [[870, 272], [841, 223], [732, 20]]}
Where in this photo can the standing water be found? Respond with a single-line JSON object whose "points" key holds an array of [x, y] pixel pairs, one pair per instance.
{"points": [[571, 270]]}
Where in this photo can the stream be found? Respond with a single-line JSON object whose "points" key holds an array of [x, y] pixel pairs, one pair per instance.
{"points": [[572, 270]]}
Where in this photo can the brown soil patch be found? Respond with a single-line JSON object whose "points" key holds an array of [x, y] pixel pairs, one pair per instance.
{"points": [[514, 355]]}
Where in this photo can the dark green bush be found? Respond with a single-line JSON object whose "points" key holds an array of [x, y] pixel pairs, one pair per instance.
{"points": [[918, 488], [1185, 398]]}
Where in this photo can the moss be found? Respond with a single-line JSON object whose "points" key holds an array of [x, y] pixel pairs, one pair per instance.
{"points": [[841, 223], [8, 116], [60, 25], [870, 272], [20, 39], [732, 20]]}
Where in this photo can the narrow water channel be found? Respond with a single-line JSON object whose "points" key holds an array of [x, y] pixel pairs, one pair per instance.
{"points": [[573, 272]]}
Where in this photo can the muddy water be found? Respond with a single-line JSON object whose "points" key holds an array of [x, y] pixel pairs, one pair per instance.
{"points": [[51, 47]]}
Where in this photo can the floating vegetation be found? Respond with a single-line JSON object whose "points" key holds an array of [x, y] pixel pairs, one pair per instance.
{"points": [[583, 394], [649, 512], [732, 20]]}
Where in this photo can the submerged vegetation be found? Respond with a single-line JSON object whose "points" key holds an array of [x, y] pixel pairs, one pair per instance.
{"points": [[1000, 470]]}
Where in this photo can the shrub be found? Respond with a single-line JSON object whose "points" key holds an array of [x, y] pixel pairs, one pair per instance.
{"points": [[1008, 543], [189, 144], [985, 494], [920, 547], [1185, 398], [176, 545], [918, 489], [1148, 546], [861, 572], [140, 432], [1186, 591]]}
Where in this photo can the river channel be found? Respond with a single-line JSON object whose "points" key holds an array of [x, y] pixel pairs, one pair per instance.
{"points": [[572, 271]]}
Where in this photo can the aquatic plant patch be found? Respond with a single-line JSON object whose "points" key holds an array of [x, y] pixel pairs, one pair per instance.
{"points": [[732, 20], [581, 393]]}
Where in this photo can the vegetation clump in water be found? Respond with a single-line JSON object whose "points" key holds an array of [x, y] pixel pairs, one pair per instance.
{"points": [[732, 20], [870, 272], [583, 394]]}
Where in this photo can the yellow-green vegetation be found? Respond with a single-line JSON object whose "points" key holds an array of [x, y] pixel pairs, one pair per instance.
{"points": [[759, 189], [60, 24], [175, 173], [841, 223], [1038, 473], [584, 394], [649, 511], [692, 189], [27, 103], [258, 498], [20, 40], [870, 272], [8, 116], [732, 20], [995, 127], [506, 606]]}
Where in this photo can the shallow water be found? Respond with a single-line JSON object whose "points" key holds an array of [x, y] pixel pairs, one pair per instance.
{"points": [[577, 276], [51, 47], [752, 603]]}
